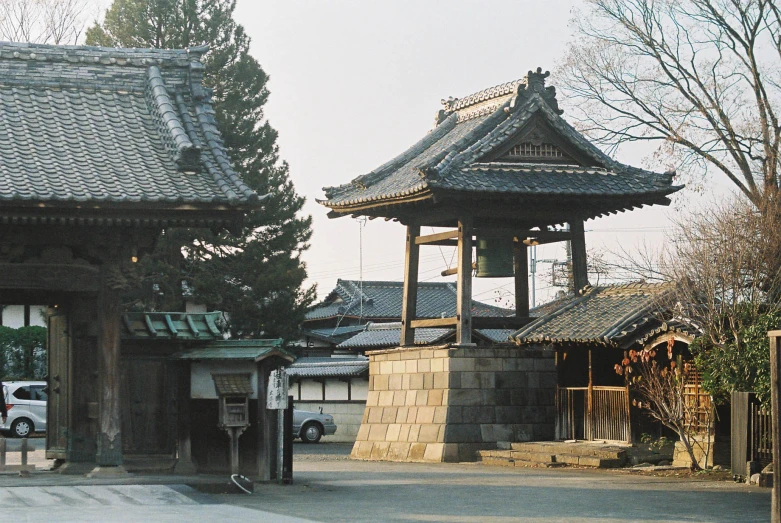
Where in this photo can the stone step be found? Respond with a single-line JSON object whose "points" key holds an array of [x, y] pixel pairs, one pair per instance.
{"points": [[554, 448], [492, 457], [522, 458]]}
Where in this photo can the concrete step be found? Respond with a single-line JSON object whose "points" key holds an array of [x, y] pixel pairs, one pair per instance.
{"points": [[581, 449]]}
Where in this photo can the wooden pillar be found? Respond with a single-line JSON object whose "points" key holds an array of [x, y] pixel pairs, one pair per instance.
{"points": [[579, 261], [184, 454], [521, 259], [590, 400], [265, 451], [775, 398], [109, 421], [464, 284], [409, 302]]}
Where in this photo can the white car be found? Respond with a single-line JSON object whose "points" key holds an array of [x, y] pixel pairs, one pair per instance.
{"points": [[26, 404]]}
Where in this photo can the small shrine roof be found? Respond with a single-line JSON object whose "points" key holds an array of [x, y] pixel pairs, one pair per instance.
{"points": [[612, 316], [466, 155], [90, 127], [236, 350]]}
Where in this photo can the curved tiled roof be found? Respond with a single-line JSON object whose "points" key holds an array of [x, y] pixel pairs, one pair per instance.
{"points": [[382, 300], [127, 127], [451, 159], [614, 316], [328, 367]]}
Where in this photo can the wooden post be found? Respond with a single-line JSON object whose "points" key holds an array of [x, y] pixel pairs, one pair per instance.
{"points": [[264, 447], [590, 400], [579, 261], [521, 259], [464, 284], [109, 421], [409, 302], [775, 397]]}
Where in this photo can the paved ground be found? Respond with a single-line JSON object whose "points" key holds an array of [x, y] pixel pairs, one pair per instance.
{"points": [[328, 488]]}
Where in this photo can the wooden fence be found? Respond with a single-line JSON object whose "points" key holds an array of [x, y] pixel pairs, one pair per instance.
{"points": [[752, 433], [596, 413]]}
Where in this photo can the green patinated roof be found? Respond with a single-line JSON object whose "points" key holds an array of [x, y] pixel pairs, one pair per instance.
{"points": [[171, 326], [133, 128], [455, 160], [237, 350]]}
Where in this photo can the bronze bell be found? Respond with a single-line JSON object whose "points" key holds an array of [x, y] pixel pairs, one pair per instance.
{"points": [[495, 257]]}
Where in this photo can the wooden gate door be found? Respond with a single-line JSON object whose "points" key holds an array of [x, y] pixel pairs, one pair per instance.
{"points": [[148, 403], [58, 350]]}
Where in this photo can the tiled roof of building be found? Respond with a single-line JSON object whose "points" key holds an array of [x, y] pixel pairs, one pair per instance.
{"points": [[380, 335], [129, 128], [236, 350], [385, 335], [615, 316], [457, 157], [329, 367], [334, 334], [382, 300]]}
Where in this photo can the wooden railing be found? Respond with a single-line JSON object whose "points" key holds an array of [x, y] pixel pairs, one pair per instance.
{"points": [[596, 413], [752, 433]]}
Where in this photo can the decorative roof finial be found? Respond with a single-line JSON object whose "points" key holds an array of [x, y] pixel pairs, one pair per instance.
{"points": [[535, 81], [535, 84]]}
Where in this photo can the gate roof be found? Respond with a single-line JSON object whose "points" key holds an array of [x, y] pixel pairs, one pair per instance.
{"points": [[108, 135]]}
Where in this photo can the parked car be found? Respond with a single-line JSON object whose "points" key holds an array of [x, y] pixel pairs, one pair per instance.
{"points": [[311, 426], [26, 404]]}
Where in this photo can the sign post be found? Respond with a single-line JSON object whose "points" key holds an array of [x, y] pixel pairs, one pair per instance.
{"points": [[277, 400]]}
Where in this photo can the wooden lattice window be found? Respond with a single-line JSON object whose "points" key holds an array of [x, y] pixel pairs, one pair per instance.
{"points": [[542, 151]]}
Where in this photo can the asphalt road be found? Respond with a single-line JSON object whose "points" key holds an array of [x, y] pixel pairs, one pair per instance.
{"points": [[329, 488]]}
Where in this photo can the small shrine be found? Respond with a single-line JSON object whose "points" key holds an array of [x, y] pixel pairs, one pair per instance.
{"points": [[501, 170]]}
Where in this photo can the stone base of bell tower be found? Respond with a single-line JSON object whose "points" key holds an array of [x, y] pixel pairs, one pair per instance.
{"points": [[445, 403]]}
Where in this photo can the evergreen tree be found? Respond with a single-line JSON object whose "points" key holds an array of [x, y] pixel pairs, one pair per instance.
{"points": [[257, 275]]}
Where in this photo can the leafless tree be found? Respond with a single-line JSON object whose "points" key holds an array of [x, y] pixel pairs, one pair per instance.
{"points": [[44, 21], [699, 77], [724, 263]]}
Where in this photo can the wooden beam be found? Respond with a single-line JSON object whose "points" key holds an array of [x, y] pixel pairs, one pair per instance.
{"points": [[521, 262], [464, 282], [454, 270], [433, 238], [579, 260], [49, 277], [434, 322], [409, 302]]}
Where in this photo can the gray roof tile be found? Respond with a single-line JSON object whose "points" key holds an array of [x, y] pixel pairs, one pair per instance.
{"points": [[382, 300], [447, 160], [100, 125], [614, 316]]}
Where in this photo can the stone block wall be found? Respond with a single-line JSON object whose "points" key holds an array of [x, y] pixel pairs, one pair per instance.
{"points": [[445, 403]]}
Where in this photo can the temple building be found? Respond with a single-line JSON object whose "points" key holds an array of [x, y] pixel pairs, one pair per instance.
{"points": [[501, 170]]}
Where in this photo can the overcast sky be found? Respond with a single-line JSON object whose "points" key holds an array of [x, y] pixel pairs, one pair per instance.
{"points": [[354, 83]]}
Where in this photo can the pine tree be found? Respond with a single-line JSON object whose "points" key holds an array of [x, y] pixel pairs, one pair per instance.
{"points": [[256, 276]]}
